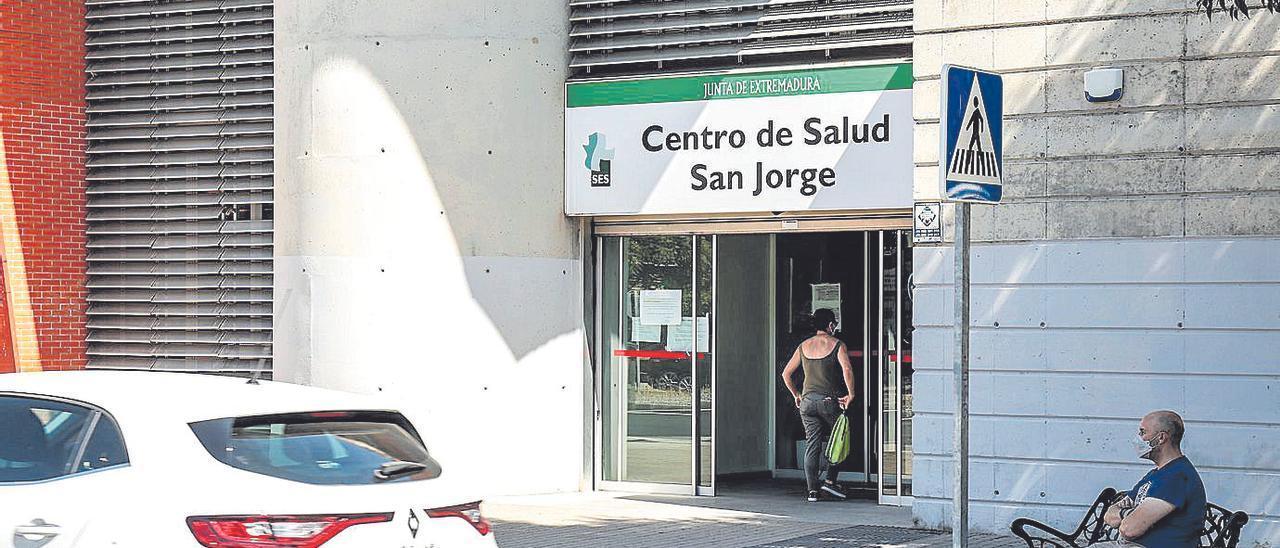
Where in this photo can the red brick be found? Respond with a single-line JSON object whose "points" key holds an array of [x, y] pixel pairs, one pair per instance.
{"points": [[42, 118]]}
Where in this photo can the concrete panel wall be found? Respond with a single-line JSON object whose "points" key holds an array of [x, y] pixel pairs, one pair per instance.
{"points": [[1192, 135], [1132, 266], [421, 247], [1073, 341]]}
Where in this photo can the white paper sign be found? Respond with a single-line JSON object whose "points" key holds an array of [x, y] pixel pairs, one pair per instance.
{"points": [[826, 296], [645, 333], [660, 306], [680, 337]]}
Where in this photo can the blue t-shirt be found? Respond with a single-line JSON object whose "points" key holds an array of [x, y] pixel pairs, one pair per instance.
{"points": [[1178, 484]]}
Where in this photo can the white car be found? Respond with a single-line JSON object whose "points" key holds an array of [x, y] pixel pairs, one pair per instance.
{"points": [[93, 459]]}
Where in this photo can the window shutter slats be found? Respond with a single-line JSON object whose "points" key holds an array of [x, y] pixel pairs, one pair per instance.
{"points": [[634, 37], [180, 99]]}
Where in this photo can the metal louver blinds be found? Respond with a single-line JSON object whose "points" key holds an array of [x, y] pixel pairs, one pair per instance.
{"points": [[647, 36], [180, 184]]}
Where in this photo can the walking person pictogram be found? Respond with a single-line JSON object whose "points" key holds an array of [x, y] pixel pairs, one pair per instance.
{"points": [[972, 142], [975, 121]]}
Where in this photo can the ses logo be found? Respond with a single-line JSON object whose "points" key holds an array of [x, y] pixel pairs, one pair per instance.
{"points": [[599, 160]]}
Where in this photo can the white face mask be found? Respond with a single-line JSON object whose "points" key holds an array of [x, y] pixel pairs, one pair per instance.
{"points": [[1142, 447]]}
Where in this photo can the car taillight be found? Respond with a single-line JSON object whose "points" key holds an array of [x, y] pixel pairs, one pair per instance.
{"points": [[265, 531], [469, 512]]}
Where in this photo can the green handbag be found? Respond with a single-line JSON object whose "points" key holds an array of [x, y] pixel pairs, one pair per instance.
{"points": [[838, 446]]}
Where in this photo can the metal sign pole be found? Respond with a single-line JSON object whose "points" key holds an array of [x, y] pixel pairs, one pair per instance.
{"points": [[960, 503]]}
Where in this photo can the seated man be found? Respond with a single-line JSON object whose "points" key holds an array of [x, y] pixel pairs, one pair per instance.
{"points": [[1165, 509]]}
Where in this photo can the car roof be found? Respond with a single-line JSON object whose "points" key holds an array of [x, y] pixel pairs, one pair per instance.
{"points": [[183, 396]]}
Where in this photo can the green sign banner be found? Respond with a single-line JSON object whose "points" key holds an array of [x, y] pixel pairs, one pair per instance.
{"points": [[740, 86]]}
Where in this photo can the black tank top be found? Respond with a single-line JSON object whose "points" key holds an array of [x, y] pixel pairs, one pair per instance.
{"points": [[823, 376]]}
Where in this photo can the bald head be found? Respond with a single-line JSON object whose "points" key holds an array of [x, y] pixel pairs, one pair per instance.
{"points": [[1167, 421]]}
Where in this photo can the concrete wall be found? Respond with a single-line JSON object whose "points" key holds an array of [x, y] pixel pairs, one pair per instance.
{"points": [[421, 247], [1135, 265], [744, 376]]}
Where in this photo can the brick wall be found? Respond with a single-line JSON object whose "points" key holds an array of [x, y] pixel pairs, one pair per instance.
{"points": [[42, 188]]}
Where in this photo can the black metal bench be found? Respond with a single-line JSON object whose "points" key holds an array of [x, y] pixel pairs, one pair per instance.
{"points": [[1221, 527]]}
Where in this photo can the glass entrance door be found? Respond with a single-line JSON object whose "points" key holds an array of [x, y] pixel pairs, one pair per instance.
{"points": [[894, 363], [870, 273], [656, 382]]}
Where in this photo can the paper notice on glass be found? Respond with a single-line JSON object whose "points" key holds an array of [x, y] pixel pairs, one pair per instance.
{"points": [[645, 333], [826, 296], [660, 306], [680, 337]]}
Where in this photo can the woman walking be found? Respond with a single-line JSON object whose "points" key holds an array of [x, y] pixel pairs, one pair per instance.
{"points": [[827, 390]]}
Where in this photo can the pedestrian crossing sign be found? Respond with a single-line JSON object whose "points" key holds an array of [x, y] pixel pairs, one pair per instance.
{"points": [[971, 161]]}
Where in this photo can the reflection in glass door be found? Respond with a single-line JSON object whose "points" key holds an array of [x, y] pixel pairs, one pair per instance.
{"points": [[894, 359], [704, 369], [656, 382]]}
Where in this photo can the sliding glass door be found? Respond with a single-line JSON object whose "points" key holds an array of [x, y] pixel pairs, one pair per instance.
{"points": [[894, 363], [656, 379]]}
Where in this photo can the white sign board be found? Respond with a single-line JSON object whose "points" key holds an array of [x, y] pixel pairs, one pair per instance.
{"points": [[832, 139]]}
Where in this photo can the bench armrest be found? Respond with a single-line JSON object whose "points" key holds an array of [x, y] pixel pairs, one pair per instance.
{"points": [[1039, 535], [1091, 529]]}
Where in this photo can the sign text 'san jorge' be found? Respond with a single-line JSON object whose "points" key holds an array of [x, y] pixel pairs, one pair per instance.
{"points": [[814, 140]]}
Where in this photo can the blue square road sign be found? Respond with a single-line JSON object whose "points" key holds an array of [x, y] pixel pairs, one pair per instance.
{"points": [[971, 161]]}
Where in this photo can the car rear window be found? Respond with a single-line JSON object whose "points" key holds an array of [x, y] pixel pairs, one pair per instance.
{"points": [[43, 439], [321, 448]]}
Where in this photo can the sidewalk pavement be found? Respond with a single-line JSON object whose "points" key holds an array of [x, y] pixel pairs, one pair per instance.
{"points": [[749, 518]]}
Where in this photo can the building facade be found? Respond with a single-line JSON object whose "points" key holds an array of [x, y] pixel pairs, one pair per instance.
{"points": [[1133, 266], [465, 208]]}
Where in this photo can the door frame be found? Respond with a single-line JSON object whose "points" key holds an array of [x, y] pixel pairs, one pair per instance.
{"points": [[866, 409], [708, 490], [694, 487], [901, 246]]}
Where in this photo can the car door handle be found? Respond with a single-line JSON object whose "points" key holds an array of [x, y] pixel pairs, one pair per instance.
{"points": [[37, 530]]}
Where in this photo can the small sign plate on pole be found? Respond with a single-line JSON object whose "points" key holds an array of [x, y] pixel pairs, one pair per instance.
{"points": [[927, 223], [971, 164]]}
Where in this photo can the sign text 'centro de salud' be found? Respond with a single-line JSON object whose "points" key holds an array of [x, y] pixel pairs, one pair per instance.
{"points": [[824, 139]]}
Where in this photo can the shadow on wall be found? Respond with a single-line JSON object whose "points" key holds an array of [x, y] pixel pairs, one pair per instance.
{"points": [[421, 249], [437, 181], [393, 277]]}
